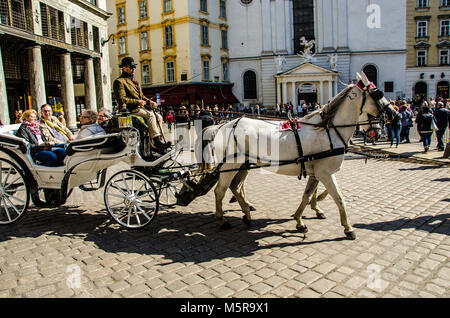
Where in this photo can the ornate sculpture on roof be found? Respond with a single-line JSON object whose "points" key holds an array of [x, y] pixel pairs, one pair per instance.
{"points": [[332, 58], [308, 49]]}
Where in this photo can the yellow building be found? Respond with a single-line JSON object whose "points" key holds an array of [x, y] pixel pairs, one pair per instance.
{"points": [[428, 45], [181, 48]]}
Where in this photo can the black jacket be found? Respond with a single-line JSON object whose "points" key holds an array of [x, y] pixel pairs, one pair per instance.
{"points": [[442, 116], [424, 122], [27, 134]]}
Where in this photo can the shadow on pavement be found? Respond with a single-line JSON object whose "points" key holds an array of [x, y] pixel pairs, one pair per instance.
{"points": [[432, 224], [421, 168], [188, 237], [442, 180]]}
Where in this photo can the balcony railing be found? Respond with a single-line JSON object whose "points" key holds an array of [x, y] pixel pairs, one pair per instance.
{"points": [[17, 14]]}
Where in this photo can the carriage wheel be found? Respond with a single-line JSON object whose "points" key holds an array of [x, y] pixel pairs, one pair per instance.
{"points": [[14, 192], [131, 199], [167, 190]]}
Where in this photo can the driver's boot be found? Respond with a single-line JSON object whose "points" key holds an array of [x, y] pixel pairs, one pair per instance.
{"points": [[160, 147]]}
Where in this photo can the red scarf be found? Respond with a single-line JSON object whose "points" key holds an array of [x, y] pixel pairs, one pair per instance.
{"points": [[33, 126]]}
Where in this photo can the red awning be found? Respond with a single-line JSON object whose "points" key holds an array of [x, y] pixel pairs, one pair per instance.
{"points": [[222, 96], [172, 99]]}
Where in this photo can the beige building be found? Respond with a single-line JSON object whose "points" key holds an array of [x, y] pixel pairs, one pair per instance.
{"points": [[428, 45], [51, 52], [181, 48]]}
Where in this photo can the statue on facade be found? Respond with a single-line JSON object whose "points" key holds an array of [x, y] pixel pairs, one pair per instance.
{"points": [[308, 49], [280, 61], [332, 58]]}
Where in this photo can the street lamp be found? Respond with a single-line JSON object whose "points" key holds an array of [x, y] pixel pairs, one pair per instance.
{"points": [[109, 38]]}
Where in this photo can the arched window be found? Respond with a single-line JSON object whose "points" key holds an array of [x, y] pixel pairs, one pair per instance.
{"points": [[421, 89], [250, 85], [442, 89], [371, 73]]}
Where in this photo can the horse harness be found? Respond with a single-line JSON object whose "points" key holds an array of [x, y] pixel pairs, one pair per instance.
{"points": [[372, 90]]}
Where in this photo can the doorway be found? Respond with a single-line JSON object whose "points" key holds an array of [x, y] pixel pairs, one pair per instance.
{"points": [[442, 89]]}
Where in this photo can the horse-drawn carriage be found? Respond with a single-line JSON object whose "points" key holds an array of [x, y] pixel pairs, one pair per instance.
{"points": [[132, 196]]}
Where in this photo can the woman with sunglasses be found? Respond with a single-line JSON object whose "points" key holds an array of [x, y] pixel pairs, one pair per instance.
{"points": [[89, 126]]}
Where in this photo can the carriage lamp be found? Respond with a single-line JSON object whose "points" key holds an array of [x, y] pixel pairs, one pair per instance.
{"points": [[125, 120]]}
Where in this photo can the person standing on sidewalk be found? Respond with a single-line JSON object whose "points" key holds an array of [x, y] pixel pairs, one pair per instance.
{"points": [[407, 123], [424, 121], [395, 128], [442, 116]]}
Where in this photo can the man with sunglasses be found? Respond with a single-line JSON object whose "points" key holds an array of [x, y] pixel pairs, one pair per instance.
{"points": [[128, 94]]}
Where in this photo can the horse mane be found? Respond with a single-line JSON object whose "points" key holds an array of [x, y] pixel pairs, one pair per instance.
{"points": [[328, 111]]}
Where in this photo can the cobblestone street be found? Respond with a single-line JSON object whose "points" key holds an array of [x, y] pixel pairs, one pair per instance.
{"points": [[400, 212]]}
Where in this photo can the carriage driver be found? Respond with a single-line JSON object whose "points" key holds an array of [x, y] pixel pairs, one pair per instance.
{"points": [[128, 92]]}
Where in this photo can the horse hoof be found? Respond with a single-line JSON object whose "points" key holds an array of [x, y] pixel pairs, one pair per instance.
{"points": [[302, 229], [252, 208], [321, 216], [246, 220], [350, 235], [225, 226]]}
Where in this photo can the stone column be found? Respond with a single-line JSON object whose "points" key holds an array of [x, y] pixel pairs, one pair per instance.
{"points": [[99, 83], [284, 87], [37, 81], [89, 85], [322, 98], [68, 94], [4, 109], [278, 93], [330, 90], [293, 97]]}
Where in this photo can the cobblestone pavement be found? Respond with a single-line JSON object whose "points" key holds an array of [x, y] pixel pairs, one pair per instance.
{"points": [[400, 211]]}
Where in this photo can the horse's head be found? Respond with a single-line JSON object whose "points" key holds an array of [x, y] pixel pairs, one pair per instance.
{"points": [[374, 102]]}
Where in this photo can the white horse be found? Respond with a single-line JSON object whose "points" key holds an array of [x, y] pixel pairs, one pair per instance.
{"points": [[323, 135]]}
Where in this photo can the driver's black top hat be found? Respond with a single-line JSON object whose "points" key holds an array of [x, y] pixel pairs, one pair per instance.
{"points": [[127, 61]]}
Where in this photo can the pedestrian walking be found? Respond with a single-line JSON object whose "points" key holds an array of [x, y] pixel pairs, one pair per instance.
{"points": [[395, 127], [407, 123], [169, 119], [424, 126], [442, 117]]}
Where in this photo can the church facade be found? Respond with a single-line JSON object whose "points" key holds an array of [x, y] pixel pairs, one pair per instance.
{"points": [[269, 63]]}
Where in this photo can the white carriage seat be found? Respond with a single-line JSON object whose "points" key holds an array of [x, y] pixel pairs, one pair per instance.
{"points": [[109, 144], [9, 140]]}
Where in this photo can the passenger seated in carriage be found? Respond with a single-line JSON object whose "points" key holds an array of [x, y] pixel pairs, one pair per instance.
{"points": [[104, 115], [41, 149], [128, 93], [52, 129], [89, 126]]}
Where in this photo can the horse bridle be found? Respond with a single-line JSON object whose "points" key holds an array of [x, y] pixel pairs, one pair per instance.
{"points": [[377, 95]]}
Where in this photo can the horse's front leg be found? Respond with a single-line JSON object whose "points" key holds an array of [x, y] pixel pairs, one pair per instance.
{"points": [[331, 185], [311, 187]]}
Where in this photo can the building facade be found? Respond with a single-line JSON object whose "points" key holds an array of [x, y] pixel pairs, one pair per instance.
{"points": [[181, 48], [350, 36], [51, 52], [428, 42]]}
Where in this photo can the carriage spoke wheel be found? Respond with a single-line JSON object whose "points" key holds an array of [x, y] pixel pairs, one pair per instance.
{"points": [[131, 199], [167, 190], [14, 192]]}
